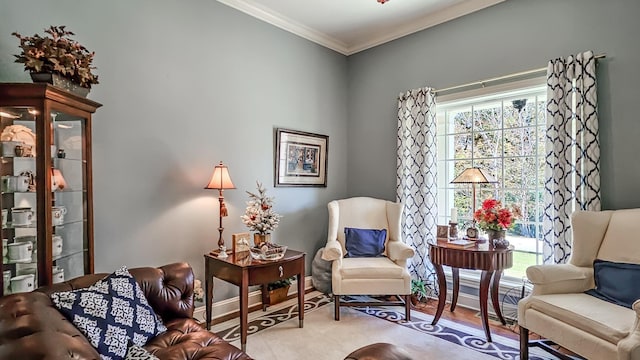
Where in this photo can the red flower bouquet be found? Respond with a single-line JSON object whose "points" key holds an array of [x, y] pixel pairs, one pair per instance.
{"points": [[494, 216]]}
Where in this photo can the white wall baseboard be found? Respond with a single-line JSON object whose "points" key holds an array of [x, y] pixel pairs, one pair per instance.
{"points": [[231, 305]]}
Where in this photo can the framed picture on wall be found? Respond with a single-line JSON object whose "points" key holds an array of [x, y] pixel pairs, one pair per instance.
{"points": [[300, 159]]}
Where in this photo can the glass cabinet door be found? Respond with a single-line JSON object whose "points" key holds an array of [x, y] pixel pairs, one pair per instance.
{"points": [[70, 241], [19, 200]]}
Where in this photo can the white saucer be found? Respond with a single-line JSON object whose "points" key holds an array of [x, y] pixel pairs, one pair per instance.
{"points": [[25, 260]]}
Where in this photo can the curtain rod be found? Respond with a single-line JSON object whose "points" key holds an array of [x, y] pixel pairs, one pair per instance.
{"points": [[504, 77]]}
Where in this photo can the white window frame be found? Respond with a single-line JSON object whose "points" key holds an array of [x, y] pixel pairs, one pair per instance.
{"points": [[458, 99]]}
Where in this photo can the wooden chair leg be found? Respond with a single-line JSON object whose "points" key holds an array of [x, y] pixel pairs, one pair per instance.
{"points": [[407, 307], [336, 307], [524, 343]]}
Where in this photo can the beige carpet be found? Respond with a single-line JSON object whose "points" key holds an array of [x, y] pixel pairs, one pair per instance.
{"points": [[277, 336]]}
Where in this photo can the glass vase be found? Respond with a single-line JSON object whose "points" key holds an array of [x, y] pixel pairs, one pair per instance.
{"points": [[497, 239]]}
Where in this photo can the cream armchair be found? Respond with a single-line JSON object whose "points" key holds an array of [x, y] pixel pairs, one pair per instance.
{"points": [[559, 310], [382, 275]]}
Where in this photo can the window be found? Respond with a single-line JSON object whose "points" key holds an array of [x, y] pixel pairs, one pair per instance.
{"points": [[502, 131]]}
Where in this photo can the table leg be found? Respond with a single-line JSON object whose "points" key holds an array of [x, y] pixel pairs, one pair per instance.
{"points": [[300, 279], [244, 308], [495, 287], [265, 299], [208, 284], [456, 287], [442, 297], [484, 294]]}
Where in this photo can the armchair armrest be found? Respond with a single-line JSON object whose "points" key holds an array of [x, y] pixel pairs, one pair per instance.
{"points": [[629, 347], [332, 251], [397, 250], [560, 279]]}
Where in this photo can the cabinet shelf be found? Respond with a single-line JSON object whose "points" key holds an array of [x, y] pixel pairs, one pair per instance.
{"points": [[48, 120]]}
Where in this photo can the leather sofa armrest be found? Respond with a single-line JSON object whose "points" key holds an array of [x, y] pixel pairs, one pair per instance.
{"points": [[399, 251], [332, 251], [560, 279], [169, 289]]}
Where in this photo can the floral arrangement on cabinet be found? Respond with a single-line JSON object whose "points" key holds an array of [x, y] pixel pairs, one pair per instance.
{"points": [[57, 53], [493, 216], [259, 215]]}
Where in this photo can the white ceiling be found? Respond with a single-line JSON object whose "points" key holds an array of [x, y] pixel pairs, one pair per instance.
{"points": [[350, 26]]}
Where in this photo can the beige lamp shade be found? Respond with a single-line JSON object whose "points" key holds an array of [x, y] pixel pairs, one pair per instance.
{"points": [[220, 179], [474, 175]]}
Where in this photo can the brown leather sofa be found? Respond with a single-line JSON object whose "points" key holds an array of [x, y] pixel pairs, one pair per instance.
{"points": [[31, 328]]}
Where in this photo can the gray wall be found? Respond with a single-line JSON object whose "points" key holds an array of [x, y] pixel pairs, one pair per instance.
{"points": [[510, 37], [184, 85]]}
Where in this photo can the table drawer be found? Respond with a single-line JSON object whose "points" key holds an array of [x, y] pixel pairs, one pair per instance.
{"points": [[275, 272]]}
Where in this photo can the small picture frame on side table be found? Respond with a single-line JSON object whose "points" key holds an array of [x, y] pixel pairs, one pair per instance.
{"points": [[241, 242], [443, 232]]}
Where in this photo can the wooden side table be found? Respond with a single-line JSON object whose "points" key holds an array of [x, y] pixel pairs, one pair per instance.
{"points": [[492, 262], [245, 272]]}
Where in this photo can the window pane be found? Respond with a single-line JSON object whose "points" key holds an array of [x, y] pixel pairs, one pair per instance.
{"points": [[520, 172], [487, 116], [461, 120], [488, 144], [522, 141]]}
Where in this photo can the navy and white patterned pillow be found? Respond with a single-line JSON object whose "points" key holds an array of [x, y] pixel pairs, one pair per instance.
{"points": [[136, 352], [112, 313]]}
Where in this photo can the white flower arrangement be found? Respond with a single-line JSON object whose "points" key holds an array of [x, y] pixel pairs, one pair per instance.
{"points": [[259, 215]]}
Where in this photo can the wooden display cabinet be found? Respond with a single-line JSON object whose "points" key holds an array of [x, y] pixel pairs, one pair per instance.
{"points": [[46, 188]]}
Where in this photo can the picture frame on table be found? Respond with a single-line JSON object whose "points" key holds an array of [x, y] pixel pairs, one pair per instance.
{"points": [[241, 243], [443, 232], [300, 159]]}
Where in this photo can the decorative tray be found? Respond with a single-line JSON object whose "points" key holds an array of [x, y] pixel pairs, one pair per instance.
{"points": [[268, 251]]}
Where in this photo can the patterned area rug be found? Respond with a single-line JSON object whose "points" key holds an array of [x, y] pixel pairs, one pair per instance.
{"points": [[461, 335]]}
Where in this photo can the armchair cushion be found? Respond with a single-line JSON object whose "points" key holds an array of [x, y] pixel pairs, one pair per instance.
{"points": [[616, 282], [364, 242], [370, 268], [601, 319]]}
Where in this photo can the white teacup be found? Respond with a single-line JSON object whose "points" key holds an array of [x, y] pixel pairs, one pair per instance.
{"points": [[6, 279], [5, 215], [18, 183], [20, 251], [9, 148], [58, 275], [57, 214], [22, 283], [21, 216], [56, 241]]}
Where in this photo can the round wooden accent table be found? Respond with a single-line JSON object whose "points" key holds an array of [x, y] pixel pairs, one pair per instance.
{"points": [[492, 262]]}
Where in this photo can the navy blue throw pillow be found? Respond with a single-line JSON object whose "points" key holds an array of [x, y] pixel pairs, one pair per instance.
{"points": [[616, 282], [112, 313], [364, 242]]}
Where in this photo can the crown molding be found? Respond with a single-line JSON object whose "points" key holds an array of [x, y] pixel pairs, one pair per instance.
{"points": [[425, 22], [253, 8]]}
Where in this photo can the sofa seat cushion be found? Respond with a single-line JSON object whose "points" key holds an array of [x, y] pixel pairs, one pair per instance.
{"points": [[186, 339], [600, 318], [370, 268]]}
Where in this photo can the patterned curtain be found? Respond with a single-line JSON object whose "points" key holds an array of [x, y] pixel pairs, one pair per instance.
{"points": [[572, 170], [416, 182]]}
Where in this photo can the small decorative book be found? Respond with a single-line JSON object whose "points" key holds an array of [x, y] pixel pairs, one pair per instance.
{"points": [[461, 243]]}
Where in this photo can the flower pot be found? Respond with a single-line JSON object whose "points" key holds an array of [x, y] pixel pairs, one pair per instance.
{"points": [[61, 82], [261, 238], [497, 239], [278, 295]]}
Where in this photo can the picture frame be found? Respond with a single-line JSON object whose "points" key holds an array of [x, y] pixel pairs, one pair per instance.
{"points": [[300, 158], [241, 242], [443, 232]]}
